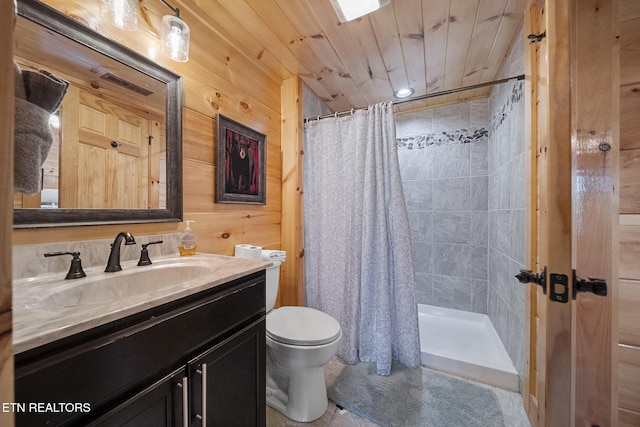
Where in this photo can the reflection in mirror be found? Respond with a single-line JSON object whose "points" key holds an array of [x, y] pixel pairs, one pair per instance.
{"points": [[116, 150]]}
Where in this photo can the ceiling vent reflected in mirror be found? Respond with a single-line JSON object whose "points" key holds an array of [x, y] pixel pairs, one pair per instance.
{"points": [[126, 84]]}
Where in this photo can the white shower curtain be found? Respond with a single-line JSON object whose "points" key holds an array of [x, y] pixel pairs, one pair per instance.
{"points": [[358, 265]]}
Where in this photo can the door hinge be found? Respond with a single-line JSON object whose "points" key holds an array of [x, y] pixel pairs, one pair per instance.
{"points": [[536, 38], [540, 279], [593, 285]]}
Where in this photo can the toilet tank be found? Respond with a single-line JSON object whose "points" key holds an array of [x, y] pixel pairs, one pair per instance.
{"points": [[272, 281]]}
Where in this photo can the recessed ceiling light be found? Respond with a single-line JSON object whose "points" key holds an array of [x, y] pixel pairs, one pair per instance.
{"points": [[403, 93], [348, 10]]}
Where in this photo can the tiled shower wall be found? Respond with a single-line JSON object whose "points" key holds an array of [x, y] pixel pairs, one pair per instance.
{"points": [[443, 162], [463, 172], [506, 296]]}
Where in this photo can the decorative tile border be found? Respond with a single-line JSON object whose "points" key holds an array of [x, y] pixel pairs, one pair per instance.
{"points": [[460, 136], [465, 136], [517, 94]]}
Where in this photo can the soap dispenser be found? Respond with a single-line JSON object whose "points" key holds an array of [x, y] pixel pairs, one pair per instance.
{"points": [[188, 244]]}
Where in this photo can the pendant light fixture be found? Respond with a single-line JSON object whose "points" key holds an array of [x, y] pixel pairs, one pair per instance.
{"points": [[175, 36], [175, 32], [348, 10], [122, 14]]}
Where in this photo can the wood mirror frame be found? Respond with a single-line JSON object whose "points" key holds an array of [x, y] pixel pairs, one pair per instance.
{"points": [[54, 21]]}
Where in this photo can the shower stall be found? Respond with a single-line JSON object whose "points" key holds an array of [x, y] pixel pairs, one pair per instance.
{"points": [[463, 174]]}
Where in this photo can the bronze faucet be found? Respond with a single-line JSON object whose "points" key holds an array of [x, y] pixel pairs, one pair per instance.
{"points": [[114, 257]]}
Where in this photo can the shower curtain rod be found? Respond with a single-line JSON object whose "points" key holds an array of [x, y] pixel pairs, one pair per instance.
{"points": [[421, 97]]}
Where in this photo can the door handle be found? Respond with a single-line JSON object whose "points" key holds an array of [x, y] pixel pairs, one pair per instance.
{"points": [[203, 373], [184, 385], [540, 278], [558, 285], [593, 285]]}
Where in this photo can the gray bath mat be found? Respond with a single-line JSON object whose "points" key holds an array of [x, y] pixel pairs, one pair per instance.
{"points": [[411, 397]]}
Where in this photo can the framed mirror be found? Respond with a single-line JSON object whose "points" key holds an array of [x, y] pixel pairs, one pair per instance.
{"points": [[116, 155]]}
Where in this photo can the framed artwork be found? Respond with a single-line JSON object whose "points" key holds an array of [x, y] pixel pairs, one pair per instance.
{"points": [[240, 163]]}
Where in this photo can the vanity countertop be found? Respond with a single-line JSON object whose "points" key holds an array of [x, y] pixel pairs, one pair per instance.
{"points": [[33, 327]]}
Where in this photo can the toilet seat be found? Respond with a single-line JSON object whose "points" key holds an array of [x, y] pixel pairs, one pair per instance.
{"points": [[301, 326]]}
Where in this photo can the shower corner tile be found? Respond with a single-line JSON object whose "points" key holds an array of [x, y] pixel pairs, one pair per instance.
{"points": [[479, 262], [452, 194], [492, 305], [442, 292], [452, 227], [422, 257], [418, 195], [420, 225], [450, 259], [479, 227], [424, 288], [479, 193], [479, 296], [462, 294], [479, 158]]}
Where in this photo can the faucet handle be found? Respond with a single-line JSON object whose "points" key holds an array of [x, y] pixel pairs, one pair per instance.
{"points": [[75, 270], [144, 253]]}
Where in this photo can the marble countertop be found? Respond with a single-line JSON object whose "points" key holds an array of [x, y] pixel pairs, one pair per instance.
{"points": [[36, 324]]}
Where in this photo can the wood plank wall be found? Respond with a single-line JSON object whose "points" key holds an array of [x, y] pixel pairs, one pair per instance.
{"points": [[6, 215], [218, 78], [595, 58], [629, 292]]}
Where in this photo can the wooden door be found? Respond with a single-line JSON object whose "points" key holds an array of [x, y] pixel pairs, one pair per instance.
{"points": [[6, 214], [573, 125], [104, 154]]}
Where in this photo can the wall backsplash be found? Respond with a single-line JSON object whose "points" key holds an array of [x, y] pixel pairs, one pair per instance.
{"points": [[29, 260]]}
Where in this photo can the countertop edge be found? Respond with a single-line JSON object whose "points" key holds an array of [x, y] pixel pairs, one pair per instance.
{"points": [[37, 327]]}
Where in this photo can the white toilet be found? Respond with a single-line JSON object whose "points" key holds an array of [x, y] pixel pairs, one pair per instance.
{"points": [[300, 341]]}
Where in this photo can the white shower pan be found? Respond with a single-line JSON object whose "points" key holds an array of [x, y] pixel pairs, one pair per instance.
{"points": [[464, 344]]}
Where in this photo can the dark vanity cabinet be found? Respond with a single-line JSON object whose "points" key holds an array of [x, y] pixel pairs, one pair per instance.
{"points": [[197, 361], [161, 404], [223, 387]]}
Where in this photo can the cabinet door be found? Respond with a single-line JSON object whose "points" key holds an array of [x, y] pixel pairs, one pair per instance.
{"points": [[228, 381], [162, 404]]}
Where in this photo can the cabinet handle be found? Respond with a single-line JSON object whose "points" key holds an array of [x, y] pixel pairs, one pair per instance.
{"points": [[185, 400], [204, 395], [203, 372]]}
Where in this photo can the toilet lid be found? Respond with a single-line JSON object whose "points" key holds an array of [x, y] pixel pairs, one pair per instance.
{"points": [[301, 326]]}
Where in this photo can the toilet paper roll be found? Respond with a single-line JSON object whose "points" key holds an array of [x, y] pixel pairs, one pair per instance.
{"points": [[274, 255], [248, 251]]}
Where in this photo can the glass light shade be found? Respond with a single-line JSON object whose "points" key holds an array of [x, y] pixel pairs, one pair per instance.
{"points": [[175, 38], [121, 13]]}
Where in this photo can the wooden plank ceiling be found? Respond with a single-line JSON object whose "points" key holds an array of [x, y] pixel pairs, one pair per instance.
{"points": [[430, 45]]}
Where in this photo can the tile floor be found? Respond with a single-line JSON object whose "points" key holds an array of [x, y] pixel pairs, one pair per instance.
{"points": [[334, 417], [511, 404]]}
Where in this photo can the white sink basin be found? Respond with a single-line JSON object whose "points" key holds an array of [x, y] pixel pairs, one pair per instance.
{"points": [[100, 288]]}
